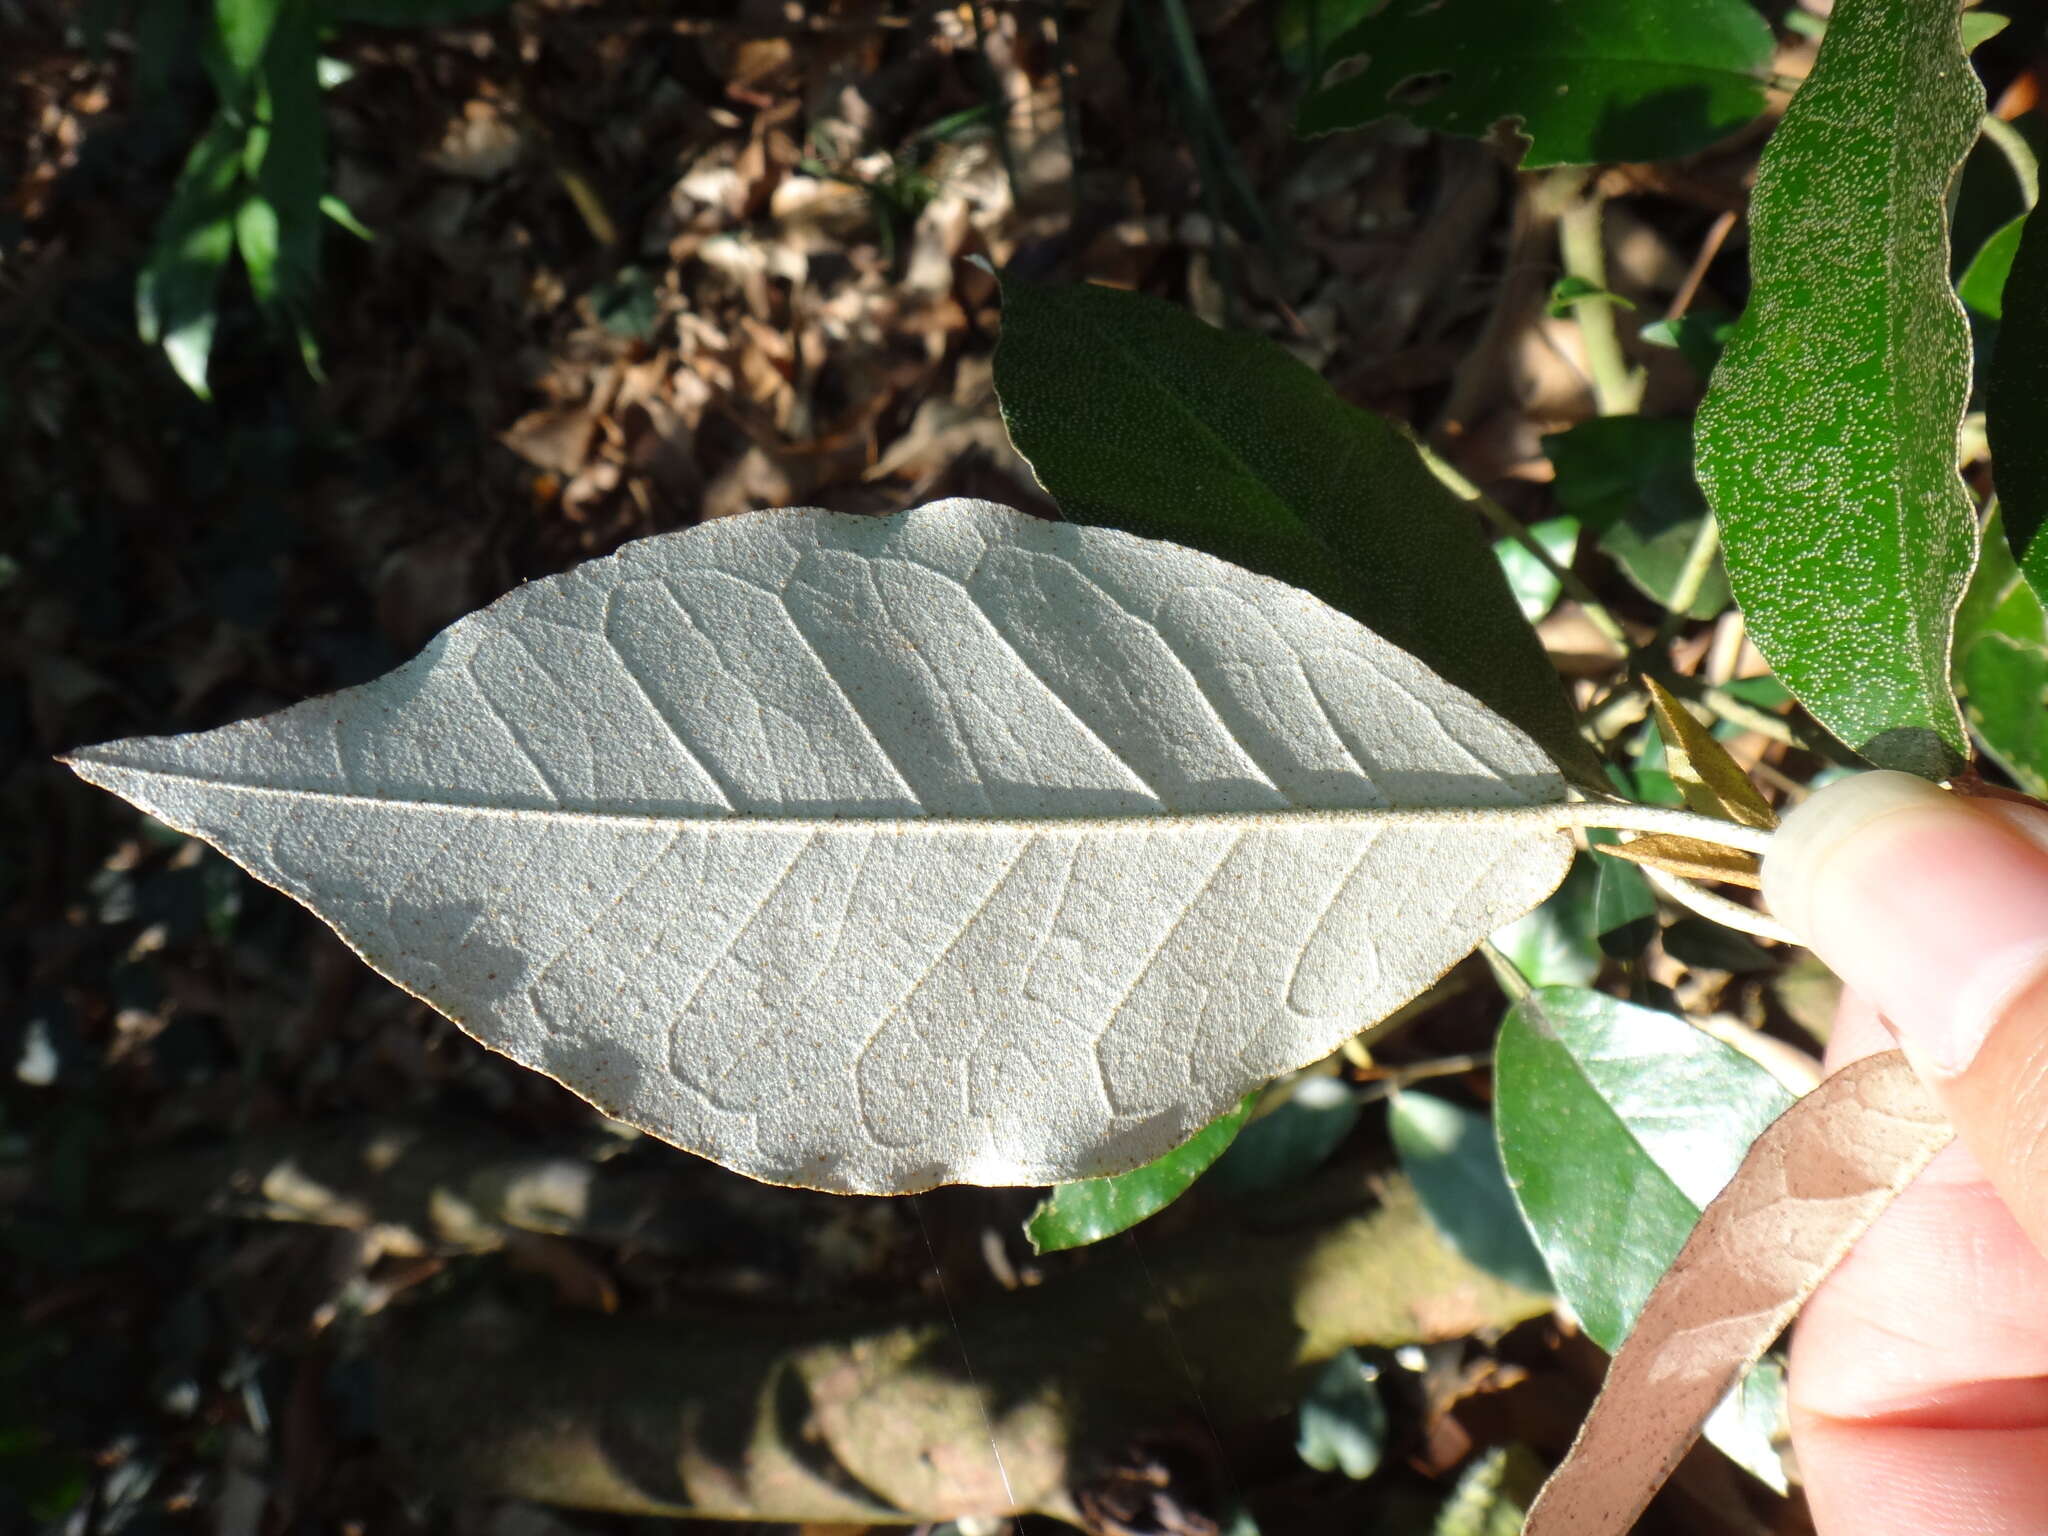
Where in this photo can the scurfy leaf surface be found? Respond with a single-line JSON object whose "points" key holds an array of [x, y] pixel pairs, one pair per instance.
{"points": [[1810, 1187], [1827, 442], [873, 854]]}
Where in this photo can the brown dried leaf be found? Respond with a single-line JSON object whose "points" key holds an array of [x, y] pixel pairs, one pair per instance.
{"points": [[1689, 858], [1809, 1188], [1712, 782]]}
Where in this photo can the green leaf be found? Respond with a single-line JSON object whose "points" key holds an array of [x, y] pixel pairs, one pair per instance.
{"points": [[1827, 444], [1698, 335], [1343, 1423], [1979, 27], [1089, 1210], [1617, 1125], [2016, 408], [291, 172], [1492, 1495], [1451, 1158], [1288, 1143], [177, 293], [1136, 415], [1629, 481], [1572, 289], [1999, 601], [1535, 589], [1588, 82], [1982, 285], [1624, 909], [244, 28], [1753, 1422], [1553, 945], [2005, 690], [345, 216]]}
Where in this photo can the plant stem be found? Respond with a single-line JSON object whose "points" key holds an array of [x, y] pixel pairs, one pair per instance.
{"points": [[1509, 526], [2019, 154], [1628, 816], [1719, 909], [1617, 388]]}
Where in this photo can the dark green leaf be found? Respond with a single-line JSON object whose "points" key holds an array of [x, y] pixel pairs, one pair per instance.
{"points": [[1827, 444], [1708, 946], [1982, 286], [1136, 415], [1305, 29], [244, 28], [1287, 1144], [1451, 1158], [291, 175], [1699, 336], [2005, 690], [1588, 82], [178, 290], [1091, 1209], [1624, 910], [1553, 945], [1629, 481], [1617, 1125], [1343, 1423], [2016, 414]]}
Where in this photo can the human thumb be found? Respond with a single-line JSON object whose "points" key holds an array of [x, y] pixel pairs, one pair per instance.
{"points": [[1935, 908]]}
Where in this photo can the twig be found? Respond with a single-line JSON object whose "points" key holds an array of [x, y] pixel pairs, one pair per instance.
{"points": [[1719, 909], [1710, 247], [1629, 816], [1617, 388], [1509, 526]]}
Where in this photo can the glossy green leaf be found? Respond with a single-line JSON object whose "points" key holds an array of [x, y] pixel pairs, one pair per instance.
{"points": [[1343, 1422], [1451, 1158], [2016, 411], [1617, 1125], [1136, 415], [1629, 480], [1624, 910], [1982, 285], [1535, 588], [1089, 1210], [177, 294], [1287, 1143], [1553, 945], [2005, 690], [1586, 83], [1827, 443]]}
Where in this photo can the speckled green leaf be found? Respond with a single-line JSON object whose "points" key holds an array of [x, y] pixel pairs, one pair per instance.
{"points": [[1827, 443], [1617, 1125], [1089, 1210], [1136, 415], [1587, 82], [2016, 413]]}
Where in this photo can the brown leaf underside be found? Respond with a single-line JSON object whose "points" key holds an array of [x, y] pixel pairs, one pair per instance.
{"points": [[1809, 1188]]}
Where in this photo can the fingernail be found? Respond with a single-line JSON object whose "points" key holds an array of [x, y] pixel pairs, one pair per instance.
{"points": [[1920, 900]]}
